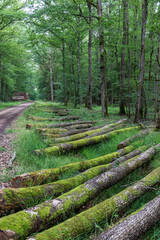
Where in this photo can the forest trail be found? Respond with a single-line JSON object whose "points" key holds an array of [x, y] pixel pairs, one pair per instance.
{"points": [[9, 114]]}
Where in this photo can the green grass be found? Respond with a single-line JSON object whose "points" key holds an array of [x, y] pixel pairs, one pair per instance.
{"points": [[26, 161], [4, 105]]}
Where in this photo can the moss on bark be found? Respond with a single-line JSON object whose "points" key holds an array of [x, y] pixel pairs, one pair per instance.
{"points": [[86, 220], [36, 218], [50, 175], [61, 148], [14, 199]]}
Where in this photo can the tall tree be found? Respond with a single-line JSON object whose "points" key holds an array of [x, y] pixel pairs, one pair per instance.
{"points": [[142, 59], [102, 60]]}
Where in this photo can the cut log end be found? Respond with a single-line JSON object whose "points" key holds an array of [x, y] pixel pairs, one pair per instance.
{"points": [[8, 235]]}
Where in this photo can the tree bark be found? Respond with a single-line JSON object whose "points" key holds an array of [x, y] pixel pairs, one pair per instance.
{"points": [[57, 125], [131, 139], [90, 79], [51, 74], [46, 213], [35, 118], [50, 175], [103, 211], [157, 81], [142, 59], [69, 146], [14, 199], [48, 132], [99, 131], [122, 97], [135, 225], [102, 61]]}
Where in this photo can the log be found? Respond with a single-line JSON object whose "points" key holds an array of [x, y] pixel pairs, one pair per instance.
{"points": [[35, 118], [49, 110], [50, 175], [69, 146], [68, 132], [99, 131], [31, 220], [62, 125], [132, 227], [22, 196], [87, 220], [79, 126], [131, 139], [51, 130]]}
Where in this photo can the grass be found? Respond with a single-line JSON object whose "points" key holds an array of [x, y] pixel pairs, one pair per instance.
{"points": [[27, 141], [4, 105]]}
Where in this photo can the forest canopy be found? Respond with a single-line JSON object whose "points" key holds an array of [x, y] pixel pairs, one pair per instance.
{"points": [[86, 52]]}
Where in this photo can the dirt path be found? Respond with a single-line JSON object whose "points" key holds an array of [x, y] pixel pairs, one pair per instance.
{"points": [[9, 114], [7, 117]]}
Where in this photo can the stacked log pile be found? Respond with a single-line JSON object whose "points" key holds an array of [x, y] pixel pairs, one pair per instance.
{"points": [[58, 198]]}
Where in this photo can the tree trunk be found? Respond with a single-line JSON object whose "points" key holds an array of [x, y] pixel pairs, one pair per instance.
{"points": [[64, 73], [157, 81], [135, 225], [129, 65], [131, 139], [50, 175], [22, 196], [103, 211], [142, 59], [102, 62], [47, 213], [51, 74], [69, 146], [90, 79], [122, 97]]}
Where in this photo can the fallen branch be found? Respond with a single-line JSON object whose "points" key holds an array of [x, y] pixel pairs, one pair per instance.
{"points": [[135, 225], [131, 139], [50, 175], [37, 218], [61, 148], [12, 160], [13, 199]]}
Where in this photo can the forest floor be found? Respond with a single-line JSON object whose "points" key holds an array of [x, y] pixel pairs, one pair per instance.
{"points": [[22, 141]]}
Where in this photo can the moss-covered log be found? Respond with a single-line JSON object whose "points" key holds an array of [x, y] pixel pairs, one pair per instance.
{"points": [[57, 125], [35, 118], [50, 175], [65, 111], [48, 131], [79, 126], [51, 130], [96, 132], [87, 220], [132, 227], [31, 220], [14, 199], [131, 139], [46, 213], [61, 148]]}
